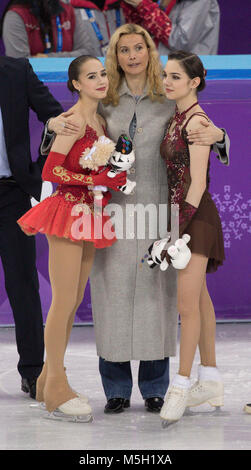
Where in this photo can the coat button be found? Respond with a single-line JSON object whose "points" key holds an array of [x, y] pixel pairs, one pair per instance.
{"points": [[132, 170], [140, 130]]}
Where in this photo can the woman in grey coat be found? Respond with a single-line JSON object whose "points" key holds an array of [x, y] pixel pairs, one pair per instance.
{"points": [[134, 307]]}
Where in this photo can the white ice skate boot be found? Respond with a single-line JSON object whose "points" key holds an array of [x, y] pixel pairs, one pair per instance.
{"points": [[73, 410], [41, 404], [209, 388], [206, 391], [175, 403]]}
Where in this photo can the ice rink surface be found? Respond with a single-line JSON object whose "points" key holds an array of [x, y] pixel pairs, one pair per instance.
{"points": [[24, 428]]}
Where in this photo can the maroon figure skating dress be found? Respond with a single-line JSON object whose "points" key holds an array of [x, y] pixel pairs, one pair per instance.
{"points": [[71, 211], [203, 224]]}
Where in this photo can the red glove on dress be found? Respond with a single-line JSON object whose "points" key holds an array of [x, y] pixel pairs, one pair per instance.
{"points": [[55, 172]]}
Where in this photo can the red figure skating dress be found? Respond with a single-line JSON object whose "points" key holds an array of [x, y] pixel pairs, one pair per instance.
{"points": [[203, 224], [70, 211]]}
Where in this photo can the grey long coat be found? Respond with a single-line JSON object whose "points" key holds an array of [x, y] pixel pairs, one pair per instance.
{"points": [[134, 307]]}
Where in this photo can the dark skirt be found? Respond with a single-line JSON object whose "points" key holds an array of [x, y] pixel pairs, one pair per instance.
{"points": [[206, 233]]}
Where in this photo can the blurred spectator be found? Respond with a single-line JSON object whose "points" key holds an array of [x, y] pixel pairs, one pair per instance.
{"points": [[189, 25], [100, 18], [43, 28]]}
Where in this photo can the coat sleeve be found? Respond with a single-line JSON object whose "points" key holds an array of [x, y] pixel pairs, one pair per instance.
{"points": [[195, 19], [151, 17], [222, 150], [41, 101]]}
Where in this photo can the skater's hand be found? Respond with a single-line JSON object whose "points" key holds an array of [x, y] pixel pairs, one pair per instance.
{"points": [[101, 179]]}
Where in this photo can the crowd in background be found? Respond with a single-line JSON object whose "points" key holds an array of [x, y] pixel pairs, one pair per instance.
{"points": [[61, 28]]}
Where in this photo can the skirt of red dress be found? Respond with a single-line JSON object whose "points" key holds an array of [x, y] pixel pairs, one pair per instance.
{"points": [[76, 220]]}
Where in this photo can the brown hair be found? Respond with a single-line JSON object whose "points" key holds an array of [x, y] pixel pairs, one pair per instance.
{"points": [[75, 69], [192, 65]]}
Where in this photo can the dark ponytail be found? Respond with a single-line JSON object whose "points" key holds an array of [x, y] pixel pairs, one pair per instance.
{"points": [[192, 65]]}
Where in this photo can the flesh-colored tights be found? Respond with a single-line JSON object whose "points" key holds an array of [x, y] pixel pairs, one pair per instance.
{"points": [[70, 264], [196, 314]]}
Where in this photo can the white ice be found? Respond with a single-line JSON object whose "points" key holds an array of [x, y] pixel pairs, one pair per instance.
{"points": [[23, 427]]}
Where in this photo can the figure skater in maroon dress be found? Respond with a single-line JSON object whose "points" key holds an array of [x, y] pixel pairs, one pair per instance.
{"points": [[188, 179], [68, 218]]}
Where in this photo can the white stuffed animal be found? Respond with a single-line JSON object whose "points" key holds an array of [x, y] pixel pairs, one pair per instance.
{"points": [[179, 253]]}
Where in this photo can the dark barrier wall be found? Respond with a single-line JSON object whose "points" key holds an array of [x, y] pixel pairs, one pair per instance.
{"points": [[234, 27]]}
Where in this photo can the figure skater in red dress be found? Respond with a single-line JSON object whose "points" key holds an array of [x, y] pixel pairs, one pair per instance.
{"points": [[188, 179], [74, 230]]}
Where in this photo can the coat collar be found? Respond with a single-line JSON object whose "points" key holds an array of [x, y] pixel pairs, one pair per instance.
{"points": [[124, 90]]}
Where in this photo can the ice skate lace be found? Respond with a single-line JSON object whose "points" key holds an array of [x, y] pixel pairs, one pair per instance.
{"points": [[176, 397], [197, 387], [201, 386]]}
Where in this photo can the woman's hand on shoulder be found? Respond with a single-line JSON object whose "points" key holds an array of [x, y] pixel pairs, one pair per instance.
{"points": [[202, 132], [67, 124], [63, 143]]}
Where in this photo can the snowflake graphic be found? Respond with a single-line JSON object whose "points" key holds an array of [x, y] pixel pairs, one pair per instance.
{"points": [[235, 215]]}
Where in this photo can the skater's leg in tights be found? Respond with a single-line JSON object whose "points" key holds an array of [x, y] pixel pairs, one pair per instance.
{"points": [[190, 282], [88, 253], [65, 260], [207, 330], [86, 266]]}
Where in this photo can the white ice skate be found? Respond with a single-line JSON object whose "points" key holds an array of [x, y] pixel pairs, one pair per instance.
{"points": [[41, 404], [175, 403], [206, 391], [73, 410]]}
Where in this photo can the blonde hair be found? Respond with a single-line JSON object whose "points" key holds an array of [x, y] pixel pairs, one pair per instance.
{"points": [[115, 73]]}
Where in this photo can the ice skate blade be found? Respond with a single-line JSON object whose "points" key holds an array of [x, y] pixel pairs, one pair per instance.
{"points": [[167, 423], [38, 406], [60, 416], [217, 411]]}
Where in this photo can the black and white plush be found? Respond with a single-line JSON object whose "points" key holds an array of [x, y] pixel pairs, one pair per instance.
{"points": [[105, 153], [122, 159], [179, 253]]}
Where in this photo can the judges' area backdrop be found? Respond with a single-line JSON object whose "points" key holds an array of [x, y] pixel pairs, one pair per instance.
{"points": [[227, 100]]}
